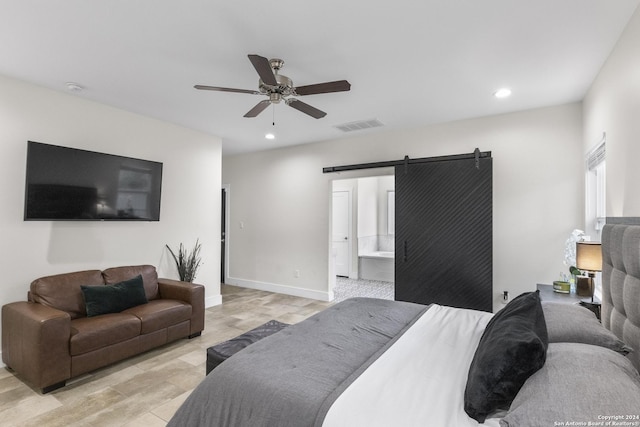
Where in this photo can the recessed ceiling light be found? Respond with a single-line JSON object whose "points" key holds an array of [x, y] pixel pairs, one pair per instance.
{"points": [[270, 136], [502, 93], [74, 87]]}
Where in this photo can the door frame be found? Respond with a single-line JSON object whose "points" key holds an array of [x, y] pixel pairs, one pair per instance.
{"points": [[347, 176], [224, 256]]}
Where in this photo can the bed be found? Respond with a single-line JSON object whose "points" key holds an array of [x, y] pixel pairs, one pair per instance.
{"points": [[370, 362]]}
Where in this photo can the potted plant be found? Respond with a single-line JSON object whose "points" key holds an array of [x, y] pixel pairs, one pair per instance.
{"points": [[187, 263], [567, 284]]}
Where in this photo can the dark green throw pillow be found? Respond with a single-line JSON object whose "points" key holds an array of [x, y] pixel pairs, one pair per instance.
{"points": [[114, 298]]}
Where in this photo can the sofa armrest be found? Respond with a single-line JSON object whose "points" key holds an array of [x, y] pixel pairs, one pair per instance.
{"points": [[35, 342], [190, 293]]}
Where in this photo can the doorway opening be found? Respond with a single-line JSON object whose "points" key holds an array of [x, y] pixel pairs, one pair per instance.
{"points": [[224, 217], [362, 236], [443, 228]]}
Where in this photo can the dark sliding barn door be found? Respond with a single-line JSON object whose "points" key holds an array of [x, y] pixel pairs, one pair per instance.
{"points": [[444, 233]]}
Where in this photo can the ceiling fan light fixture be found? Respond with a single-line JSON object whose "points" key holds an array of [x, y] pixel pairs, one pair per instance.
{"points": [[279, 88], [275, 98], [502, 93]]}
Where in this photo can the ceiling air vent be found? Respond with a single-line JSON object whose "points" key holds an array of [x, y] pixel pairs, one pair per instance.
{"points": [[360, 125]]}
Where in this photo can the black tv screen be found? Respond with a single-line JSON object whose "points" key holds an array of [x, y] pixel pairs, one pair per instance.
{"points": [[71, 184]]}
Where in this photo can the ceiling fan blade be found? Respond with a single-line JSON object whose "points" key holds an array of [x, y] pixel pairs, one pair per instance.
{"points": [[306, 108], [262, 66], [259, 108], [227, 89], [337, 86]]}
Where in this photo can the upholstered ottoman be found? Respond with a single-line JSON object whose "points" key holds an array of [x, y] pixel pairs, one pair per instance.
{"points": [[221, 352]]}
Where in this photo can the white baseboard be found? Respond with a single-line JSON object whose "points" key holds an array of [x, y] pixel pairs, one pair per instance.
{"points": [[212, 301], [281, 289]]}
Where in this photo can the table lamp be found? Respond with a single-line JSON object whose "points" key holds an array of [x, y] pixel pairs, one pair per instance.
{"points": [[589, 259]]}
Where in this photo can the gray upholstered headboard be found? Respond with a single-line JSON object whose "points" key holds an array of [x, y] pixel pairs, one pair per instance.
{"points": [[621, 284]]}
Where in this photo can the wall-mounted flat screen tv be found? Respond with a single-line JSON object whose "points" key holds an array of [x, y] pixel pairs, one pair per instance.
{"points": [[71, 184]]}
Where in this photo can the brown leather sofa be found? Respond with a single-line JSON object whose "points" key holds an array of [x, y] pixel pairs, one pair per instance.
{"points": [[49, 338]]}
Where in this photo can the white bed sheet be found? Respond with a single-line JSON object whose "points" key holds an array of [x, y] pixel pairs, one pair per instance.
{"points": [[420, 380]]}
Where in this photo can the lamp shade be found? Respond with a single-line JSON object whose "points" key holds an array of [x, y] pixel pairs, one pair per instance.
{"points": [[589, 256]]}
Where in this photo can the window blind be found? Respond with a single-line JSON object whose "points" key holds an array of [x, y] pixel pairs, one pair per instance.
{"points": [[596, 156]]}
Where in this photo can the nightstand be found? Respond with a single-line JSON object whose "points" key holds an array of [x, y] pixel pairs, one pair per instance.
{"points": [[547, 294]]}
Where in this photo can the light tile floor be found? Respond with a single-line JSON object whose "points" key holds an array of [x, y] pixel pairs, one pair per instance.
{"points": [[146, 390], [349, 288]]}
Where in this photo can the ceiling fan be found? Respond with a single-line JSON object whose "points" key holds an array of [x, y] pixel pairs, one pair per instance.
{"points": [[279, 87]]}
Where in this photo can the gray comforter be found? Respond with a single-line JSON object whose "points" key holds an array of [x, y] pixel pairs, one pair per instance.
{"points": [[292, 378]]}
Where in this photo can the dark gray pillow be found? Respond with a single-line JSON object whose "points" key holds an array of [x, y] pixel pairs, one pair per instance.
{"points": [[114, 298], [574, 323], [579, 383], [512, 347]]}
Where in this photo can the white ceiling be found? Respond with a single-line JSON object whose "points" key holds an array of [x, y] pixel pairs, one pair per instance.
{"points": [[410, 63]]}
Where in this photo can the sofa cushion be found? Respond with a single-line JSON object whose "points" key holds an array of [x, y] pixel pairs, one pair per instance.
{"points": [[148, 272], [113, 298], [93, 333], [159, 314], [62, 291]]}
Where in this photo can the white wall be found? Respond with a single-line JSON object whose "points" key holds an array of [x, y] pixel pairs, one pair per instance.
{"points": [[372, 204], [190, 204], [283, 198], [385, 184], [612, 105], [367, 207]]}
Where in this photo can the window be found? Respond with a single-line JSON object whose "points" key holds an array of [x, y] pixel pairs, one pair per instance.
{"points": [[595, 191]]}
